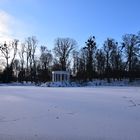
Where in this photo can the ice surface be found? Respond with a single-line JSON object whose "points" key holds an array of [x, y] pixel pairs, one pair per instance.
{"points": [[40, 113]]}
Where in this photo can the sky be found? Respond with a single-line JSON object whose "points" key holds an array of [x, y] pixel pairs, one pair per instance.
{"points": [[77, 19]]}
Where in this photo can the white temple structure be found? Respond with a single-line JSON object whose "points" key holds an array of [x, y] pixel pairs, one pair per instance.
{"points": [[59, 76]]}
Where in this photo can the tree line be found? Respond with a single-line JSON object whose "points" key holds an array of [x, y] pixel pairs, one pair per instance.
{"points": [[111, 61]]}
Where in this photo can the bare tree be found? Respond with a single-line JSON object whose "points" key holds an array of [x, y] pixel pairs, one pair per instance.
{"points": [[109, 46], [6, 49], [75, 62], [22, 55], [131, 43], [31, 45], [30, 49], [34, 46], [46, 57], [9, 51], [82, 65], [15, 48], [63, 48], [100, 60]]}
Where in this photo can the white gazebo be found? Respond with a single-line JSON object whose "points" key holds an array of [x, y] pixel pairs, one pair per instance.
{"points": [[59, 76]]}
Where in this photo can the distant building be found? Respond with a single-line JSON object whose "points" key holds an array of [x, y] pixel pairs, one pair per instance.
{"points": [[59, 76]]}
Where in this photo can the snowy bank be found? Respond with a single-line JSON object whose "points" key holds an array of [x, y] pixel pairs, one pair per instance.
{"points": [[94, 83]]}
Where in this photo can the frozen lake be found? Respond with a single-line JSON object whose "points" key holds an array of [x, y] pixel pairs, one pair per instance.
{"points": [[103, 113]]}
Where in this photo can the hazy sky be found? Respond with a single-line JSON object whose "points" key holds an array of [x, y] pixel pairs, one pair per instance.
{"points": [[77, 19]]}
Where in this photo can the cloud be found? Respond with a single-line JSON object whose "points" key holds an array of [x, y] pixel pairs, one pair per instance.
{"points": [[11, 27], [6, 23]]}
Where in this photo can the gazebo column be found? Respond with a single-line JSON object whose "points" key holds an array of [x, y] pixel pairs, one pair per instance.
{"points": [[61, 77], [65, 77], [56, 77], [53, 77], [68, 77]]}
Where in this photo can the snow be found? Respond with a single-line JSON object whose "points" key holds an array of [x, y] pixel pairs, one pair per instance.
{"points": [[40, 113], [93, 83]]}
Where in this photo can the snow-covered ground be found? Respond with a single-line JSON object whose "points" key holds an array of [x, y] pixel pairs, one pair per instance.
{"points": [[100, 113]]}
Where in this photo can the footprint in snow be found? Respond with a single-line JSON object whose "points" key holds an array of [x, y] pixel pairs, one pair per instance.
{"points": [[71, 113], [57, 117], [126, 97], [133, 103]]}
